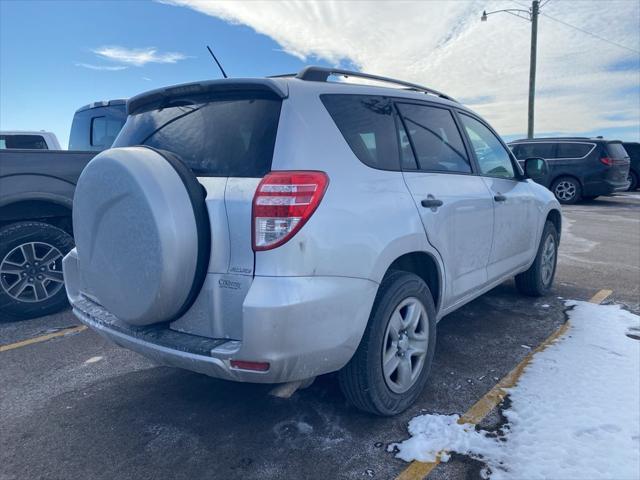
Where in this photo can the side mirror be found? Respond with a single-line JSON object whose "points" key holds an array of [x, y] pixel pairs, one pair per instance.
{"points": [[536, 168]]}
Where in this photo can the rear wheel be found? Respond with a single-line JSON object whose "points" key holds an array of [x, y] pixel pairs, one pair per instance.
{"points": [[31, 282], [537, 281], [633, 181], [391, 366], [567, 190]]}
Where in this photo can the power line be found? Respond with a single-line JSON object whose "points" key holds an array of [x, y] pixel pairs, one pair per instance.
{"points": [[590, 33], [594, 35]]}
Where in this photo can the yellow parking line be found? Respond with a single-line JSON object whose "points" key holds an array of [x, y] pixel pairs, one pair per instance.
{"points": [[601, 296], [479, 410], [42, 338]]}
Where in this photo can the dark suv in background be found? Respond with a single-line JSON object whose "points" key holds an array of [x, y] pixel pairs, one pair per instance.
{"points": [[579, 167], [633, 150]]}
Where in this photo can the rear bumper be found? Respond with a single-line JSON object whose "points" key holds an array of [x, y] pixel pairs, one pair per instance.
{"points": [[301, 326]]}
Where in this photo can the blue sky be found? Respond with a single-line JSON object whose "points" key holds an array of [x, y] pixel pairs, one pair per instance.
{"points": [[56, 56], [42, 44]]}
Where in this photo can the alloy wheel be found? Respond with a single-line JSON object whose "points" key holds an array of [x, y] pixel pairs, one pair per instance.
{"points": [[32, 272], [565, 190], [406, 341], [547, 264]]}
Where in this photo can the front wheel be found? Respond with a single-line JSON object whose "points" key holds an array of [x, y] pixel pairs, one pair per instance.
{"points": [[538, 279], [31, 282], [391, 365]]}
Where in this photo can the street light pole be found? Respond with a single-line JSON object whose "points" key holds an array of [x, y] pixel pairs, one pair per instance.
{"points": [[535, 7], [532, 15]]}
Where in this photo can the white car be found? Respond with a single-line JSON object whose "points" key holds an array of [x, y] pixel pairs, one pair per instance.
{"points": [[274, 229], [30, 140]]}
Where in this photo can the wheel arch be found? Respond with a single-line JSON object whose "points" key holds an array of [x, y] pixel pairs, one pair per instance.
{"points": [[47, 209], [424, 265], [555, 217], [566, 175]]}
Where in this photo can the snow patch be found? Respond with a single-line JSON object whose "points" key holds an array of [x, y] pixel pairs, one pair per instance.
{"points": [[93, 360], [574, 412]]}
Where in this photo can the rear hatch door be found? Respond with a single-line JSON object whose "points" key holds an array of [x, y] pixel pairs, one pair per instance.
{"points": [[619, 163], [225, 133]]}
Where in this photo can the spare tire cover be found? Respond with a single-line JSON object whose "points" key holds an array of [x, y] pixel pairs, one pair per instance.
{"points": [[142, 233]]}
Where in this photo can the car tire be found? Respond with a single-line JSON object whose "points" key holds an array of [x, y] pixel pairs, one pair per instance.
{"points": [[538, 279], [633, 181], [401, 328], [31, 282], [567, 190]]}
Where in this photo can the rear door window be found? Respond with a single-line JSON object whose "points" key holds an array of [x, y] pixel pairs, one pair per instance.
{"points": [[533, 150], [367, 123], [217, 137], [436, 139], [573, 150]]}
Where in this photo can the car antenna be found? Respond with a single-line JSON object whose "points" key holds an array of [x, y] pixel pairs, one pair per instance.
{"points": [[217, 62]]}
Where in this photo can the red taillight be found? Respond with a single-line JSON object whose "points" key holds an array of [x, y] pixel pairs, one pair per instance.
{"points": [[255, 366], [607, 161], [283, 202]]}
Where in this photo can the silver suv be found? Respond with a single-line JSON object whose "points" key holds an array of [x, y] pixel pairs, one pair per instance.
{"points": [[275, 229]]}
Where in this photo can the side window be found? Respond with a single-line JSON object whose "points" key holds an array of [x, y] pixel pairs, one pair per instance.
{"points": [[104, 131], [573, 150], [367, 123], [533, 150], [436, 139], [493, 158]]}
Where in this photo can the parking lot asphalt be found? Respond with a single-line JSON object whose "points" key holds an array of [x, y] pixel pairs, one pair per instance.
{"points": [[76, 406]]}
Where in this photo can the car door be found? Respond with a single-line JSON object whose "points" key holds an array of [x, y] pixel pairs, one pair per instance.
{"points": [[454, 203], [515, 225]]}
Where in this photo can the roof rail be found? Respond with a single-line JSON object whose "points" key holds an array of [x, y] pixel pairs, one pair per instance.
{"points": [[321, 74]]}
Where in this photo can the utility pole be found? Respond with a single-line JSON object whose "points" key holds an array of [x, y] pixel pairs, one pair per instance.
{"points": [[535, 8], [531, 16]]}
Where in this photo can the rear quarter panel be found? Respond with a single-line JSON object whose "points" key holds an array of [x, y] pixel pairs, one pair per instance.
{"points": [[367, 217]]}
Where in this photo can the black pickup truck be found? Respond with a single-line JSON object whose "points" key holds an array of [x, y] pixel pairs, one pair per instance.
{"points": [[36, 195]]}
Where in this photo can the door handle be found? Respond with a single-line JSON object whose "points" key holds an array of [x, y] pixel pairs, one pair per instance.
{"points": [[500, 198], [431, 203]]}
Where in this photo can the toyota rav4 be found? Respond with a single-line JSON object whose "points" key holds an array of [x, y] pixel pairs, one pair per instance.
{"points": [[275, 229]]}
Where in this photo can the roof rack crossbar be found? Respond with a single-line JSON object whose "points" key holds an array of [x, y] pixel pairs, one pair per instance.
{"points": [[321, 74]]}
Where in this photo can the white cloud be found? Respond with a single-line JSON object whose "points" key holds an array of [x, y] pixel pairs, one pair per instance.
{"points": [[444, 45], [138, 56], [110, 68]]}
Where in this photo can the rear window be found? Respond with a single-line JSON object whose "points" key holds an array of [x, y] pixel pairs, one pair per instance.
{"points": [[522, 151], [34, 142], [573, 150], [218, 137], [368, 125], [616, 151], [104, 131]]}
